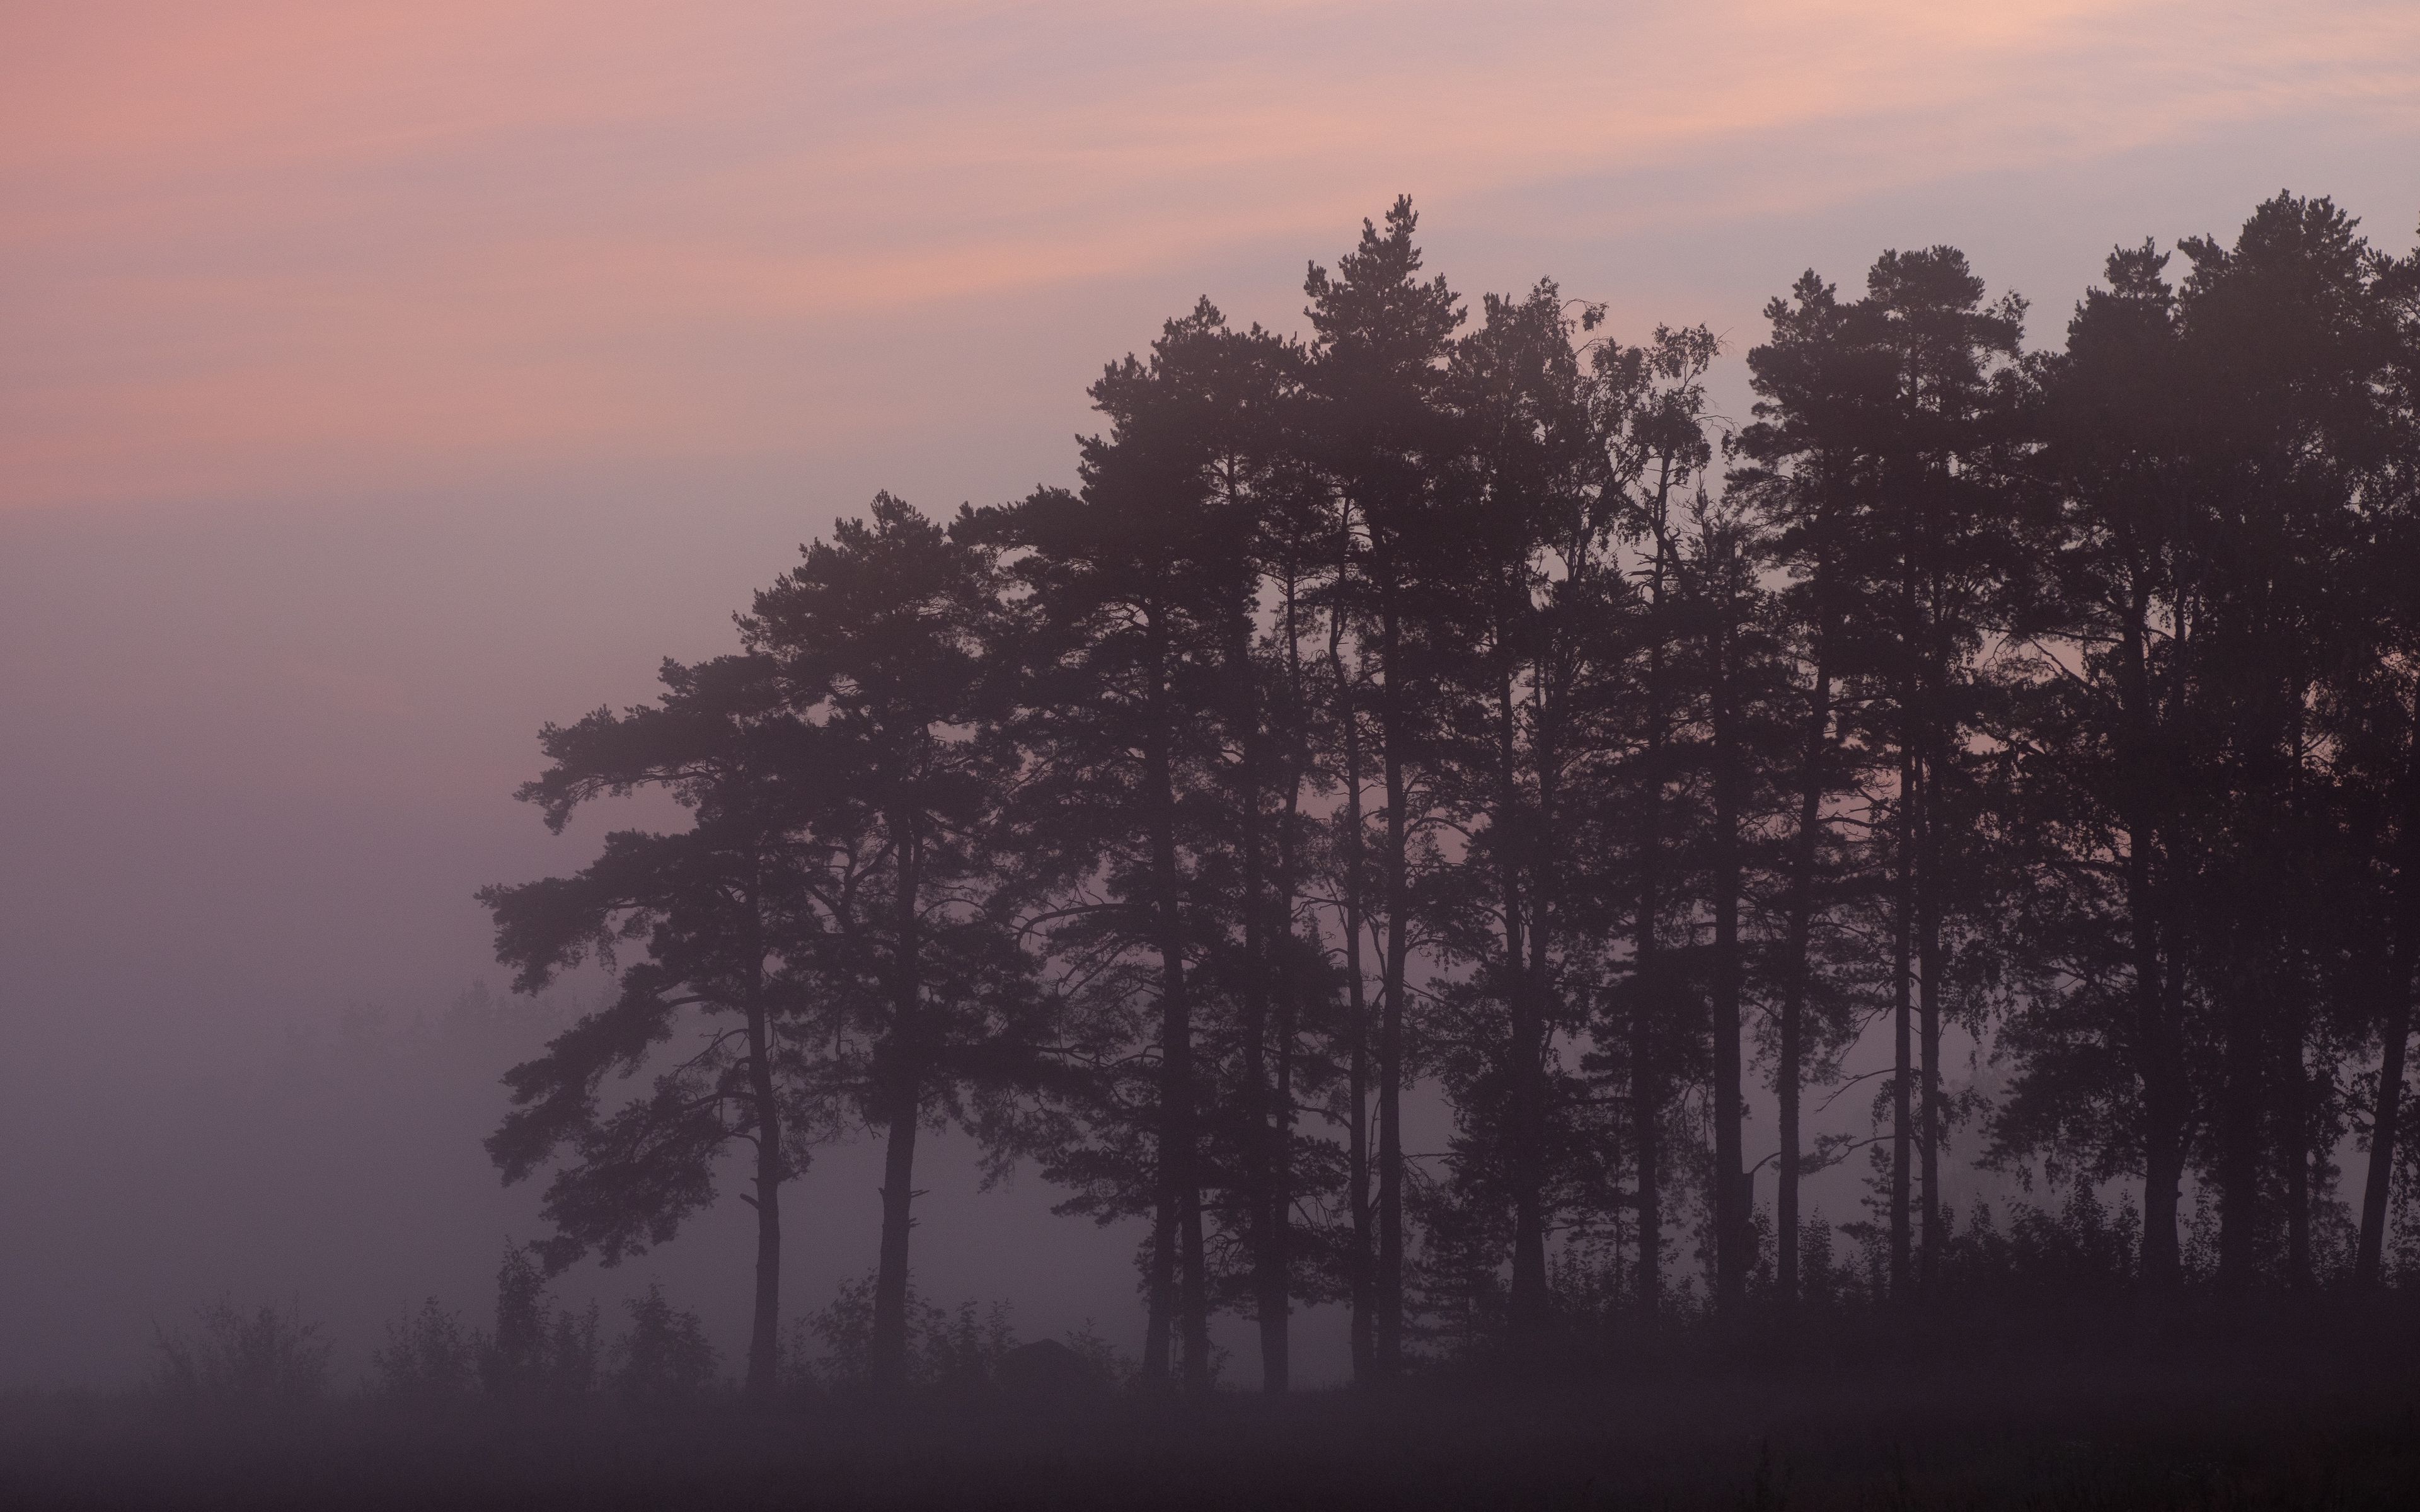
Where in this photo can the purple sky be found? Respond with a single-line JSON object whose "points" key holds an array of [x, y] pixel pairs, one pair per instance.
{"points": [[378, 381]]}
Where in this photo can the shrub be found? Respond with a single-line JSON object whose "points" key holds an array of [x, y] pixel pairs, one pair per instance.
{"points": [[427, 1357], [958, 1349], [665, 1357], [537, 1350], [234, 1356]]}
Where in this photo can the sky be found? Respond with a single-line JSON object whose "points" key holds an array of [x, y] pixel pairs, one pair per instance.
{"points": [[379, 381]]}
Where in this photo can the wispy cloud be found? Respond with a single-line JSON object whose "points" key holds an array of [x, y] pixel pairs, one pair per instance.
{"points": [[265, 240]]}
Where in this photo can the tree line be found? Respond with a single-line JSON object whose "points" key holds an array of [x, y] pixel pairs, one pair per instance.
{"points": [[1447, 705]]}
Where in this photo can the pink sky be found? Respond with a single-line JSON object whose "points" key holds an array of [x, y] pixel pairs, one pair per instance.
{"points": [[380, 381], [259, 249]]}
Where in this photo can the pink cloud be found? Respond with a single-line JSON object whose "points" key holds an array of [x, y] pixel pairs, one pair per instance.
{"points": [[257, 244]]}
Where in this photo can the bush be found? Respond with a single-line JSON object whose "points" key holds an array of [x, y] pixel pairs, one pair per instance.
{"points": [[945, 1348], [958, 1349], [665, 1357], [2084, 1249], [266, 1357], [537, 1350], [427, 1357]]}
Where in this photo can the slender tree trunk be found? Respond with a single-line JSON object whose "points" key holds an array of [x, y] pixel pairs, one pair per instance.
{"points": [[2387, 1112], [1649, 1002], [1928, 988], [2386, 1116], [2165, 1096], [1525, 1058], [2294, 1084], [904, 1101], [2294, 1074], [891, 1274], [1545, 746], [1276, 1297], [1789, 1075], [1276, 1279], [1733, 1231], [2395, 1022], [2242, 1095], [765, 1323], [1394, 736], [1160, 1284], [1193, 1292], [1902, 941], [1360, 1273], [1260, 1111], [1178, 1244], [2163, 1076]]}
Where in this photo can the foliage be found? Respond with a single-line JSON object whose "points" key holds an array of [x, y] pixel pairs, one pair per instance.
{"points": [[427, 1357], [1454, 708], [262, 1357], [665, 1357]]}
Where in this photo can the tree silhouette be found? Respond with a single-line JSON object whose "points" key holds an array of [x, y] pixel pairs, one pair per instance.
{"points": [[878, 642], [716, 910], [1418, 711]]}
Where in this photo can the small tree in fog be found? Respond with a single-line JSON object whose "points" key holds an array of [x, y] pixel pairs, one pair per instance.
{"points": [[537, 1348], [882, 637], [944, 1348], [428, 1357], [713, 1008], [261, 1357], [665, 1357]]}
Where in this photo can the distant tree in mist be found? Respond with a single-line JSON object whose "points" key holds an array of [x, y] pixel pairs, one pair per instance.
{"points": [[428, 1357], [716, 1009], [536, 1347], [664, 1357], [880, 641], [235, 1356]]}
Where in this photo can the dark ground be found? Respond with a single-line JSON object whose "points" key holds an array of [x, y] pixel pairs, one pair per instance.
{"points": [[2317, 1410]]}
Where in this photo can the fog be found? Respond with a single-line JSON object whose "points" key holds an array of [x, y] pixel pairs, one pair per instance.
{"points": [[263, 756], [351, 431]]}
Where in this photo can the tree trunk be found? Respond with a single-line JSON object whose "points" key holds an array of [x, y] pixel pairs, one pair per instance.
{"points": [[903, 1075], [891, 1273], [1393, 736], [1276, 1298], [2386, 1113], [1790, 1074], [2394, 1028], [1733, 1231], [1161, 1283], [2294, 1087], [2163, 1077], [765, 1323], [2239, 1143], [1902, 940], [1648, 998], [1260, 1109], [1928, 988], [1178, 1239], [2166, 1100], [1524, 1054], [1360, 1274]]}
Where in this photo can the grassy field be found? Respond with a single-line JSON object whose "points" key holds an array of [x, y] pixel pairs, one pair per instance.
{"points": [[2314, 1411]]}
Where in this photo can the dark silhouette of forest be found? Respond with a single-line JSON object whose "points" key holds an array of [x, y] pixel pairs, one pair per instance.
{"points": [[1451, 702], [1450, 710]]}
